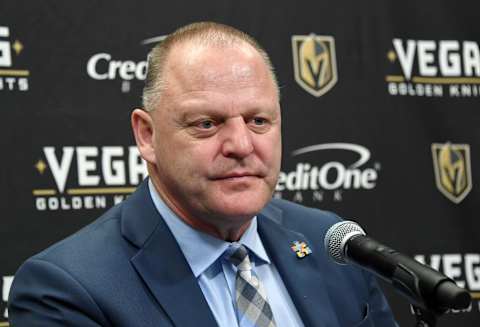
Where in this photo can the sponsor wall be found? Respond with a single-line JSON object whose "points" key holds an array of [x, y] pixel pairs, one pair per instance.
{"points": [[380, 110]]}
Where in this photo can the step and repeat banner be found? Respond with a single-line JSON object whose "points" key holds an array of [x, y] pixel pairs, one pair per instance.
{"points": [[381, 119]]}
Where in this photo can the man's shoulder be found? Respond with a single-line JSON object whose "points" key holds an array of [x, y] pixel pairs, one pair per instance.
{"points": [[83, 272], [89, 245], [294, 213]]}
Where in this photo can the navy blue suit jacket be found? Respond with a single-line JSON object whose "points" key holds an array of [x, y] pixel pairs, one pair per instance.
{"points": [[126, 269]]}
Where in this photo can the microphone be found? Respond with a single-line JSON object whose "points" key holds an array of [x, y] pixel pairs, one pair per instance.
{"points": [[425, 287]]}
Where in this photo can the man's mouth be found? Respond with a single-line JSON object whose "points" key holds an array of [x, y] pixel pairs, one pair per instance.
{"points": [[237, 176]]}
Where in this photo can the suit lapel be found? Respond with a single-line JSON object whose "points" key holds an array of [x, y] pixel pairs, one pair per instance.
{"points": [[302, 276], [161, 263]]}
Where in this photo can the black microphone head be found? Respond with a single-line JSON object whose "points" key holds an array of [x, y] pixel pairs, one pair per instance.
{"points": [[337, 237]]}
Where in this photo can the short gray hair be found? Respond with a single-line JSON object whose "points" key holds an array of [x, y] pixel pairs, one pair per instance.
{"points": [[206, 33]]}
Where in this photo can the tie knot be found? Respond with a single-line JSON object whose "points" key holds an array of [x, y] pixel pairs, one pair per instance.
{"points": [[240, 258]]}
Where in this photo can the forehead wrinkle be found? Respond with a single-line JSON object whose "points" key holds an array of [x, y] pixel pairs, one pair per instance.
{"points": [[197, 65], [226, 107]]}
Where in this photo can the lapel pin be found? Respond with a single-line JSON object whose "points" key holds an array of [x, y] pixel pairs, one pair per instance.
{"points": [[301, 249]]}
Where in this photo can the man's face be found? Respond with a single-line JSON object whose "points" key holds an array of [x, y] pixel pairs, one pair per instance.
{"points": [[216, 134]]}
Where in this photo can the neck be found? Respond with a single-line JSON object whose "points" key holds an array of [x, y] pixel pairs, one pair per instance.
{"points": [[227, 232]]}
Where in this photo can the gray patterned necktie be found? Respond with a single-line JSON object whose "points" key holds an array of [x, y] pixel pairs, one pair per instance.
{"points": [[253, 309]]}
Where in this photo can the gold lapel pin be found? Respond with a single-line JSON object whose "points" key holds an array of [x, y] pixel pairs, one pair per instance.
{"points": [[301, 249]]}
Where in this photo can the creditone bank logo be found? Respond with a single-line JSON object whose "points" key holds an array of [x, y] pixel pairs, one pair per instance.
{"points": [[104, 66], [12, 78], [433, 68], [6, 285], [463, 268], [314, 63], [337, 167], [86, 177], [451, 164]]}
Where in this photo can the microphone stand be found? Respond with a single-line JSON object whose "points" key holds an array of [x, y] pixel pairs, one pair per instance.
{"points": [[425, 318], [430, 292]]}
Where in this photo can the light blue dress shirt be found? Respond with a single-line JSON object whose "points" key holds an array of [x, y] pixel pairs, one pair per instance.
{"points": [[206, 256]]}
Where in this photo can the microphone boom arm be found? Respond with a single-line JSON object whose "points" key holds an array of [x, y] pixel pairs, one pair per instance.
{"points": [[422, 285]]}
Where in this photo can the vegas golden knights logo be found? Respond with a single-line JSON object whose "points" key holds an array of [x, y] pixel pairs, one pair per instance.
{"points": [[314, 63], [453, 175]]}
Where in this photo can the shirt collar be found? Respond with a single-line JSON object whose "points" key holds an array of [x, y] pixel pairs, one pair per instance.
{"points": [[200, 249]]}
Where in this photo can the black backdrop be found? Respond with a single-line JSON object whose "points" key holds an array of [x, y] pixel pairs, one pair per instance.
{"points": [[382, 127]]}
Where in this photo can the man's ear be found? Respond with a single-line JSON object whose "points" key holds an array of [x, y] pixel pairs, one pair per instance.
{"points": [[142, 125]]}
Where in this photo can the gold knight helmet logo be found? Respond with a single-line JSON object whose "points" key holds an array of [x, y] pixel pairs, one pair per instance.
{"points": [[451, 163], [314, 63]]}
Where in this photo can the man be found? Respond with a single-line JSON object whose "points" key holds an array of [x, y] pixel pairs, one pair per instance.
{"points": [[201, 243]]}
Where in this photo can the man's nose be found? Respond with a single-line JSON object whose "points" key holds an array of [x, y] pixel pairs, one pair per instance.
{"points": [[237, 141]]}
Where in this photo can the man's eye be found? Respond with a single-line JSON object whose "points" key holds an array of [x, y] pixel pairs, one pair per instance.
{"points": [[206, 124], [259, 121]]}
